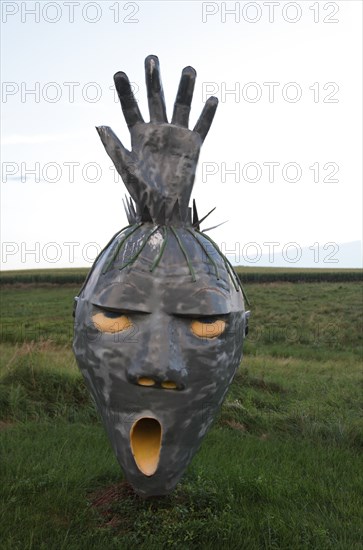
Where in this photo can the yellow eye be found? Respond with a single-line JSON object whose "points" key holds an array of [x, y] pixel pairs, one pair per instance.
{"points": [[208, 327], [109, 321]]}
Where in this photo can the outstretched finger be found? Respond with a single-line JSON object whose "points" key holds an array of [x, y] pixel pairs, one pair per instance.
{"points": [[128, 102], [155, 94], [206, 118], [114, 148], [184, 97]]}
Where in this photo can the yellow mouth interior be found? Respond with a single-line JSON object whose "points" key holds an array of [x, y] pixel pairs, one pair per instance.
{"points": [[145, 441]]}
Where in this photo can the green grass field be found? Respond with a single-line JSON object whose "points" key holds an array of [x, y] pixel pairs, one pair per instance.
{"points": [[280, 469]]}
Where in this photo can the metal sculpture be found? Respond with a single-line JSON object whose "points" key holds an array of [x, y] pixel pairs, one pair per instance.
{"points": [[160, 319]]}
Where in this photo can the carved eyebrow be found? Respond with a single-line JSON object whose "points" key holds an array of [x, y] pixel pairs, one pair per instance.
{"points": [[210, 290], [206, 302], [204, 315], [129, 308], [125, 297]]}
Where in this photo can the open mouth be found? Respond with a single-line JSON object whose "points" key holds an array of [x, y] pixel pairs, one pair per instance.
{"points": [[145, 439]]}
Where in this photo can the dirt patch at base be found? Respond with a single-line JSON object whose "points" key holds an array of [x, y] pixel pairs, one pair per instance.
{"points": [[6, 425], [104, 500]]}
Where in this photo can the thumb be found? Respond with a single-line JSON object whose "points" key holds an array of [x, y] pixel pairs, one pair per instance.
{"points": [[114, 148]]}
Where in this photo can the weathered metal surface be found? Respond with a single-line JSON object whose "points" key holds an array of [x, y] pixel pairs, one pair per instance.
{"points": [[160, 321]]}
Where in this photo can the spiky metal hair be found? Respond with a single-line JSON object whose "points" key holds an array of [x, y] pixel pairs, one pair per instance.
{"points": [[142, 232]]}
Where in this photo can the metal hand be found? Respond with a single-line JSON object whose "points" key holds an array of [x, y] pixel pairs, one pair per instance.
{"points": [[160, 168]]}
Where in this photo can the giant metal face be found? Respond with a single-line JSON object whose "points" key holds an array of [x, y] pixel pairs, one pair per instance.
{"points": [[160, 321]]}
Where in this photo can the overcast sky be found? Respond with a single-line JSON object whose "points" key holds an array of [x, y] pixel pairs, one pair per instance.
{"points": [[282, 161]]}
